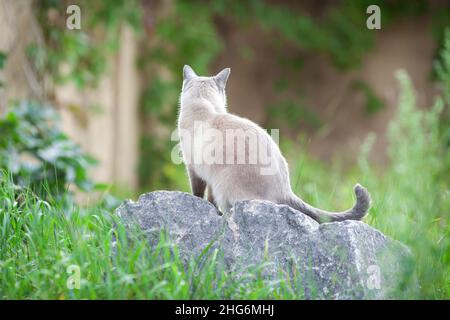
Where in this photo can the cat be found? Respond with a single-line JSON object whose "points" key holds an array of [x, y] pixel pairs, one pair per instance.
{"points": [[216, 166]]}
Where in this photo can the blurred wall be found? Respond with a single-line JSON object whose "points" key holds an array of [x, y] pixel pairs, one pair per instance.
{"points": [[103, 120], [406, 44], [18, 28]]}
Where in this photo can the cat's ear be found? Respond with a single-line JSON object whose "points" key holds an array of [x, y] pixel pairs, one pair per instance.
{"points": [[222, 77], [188, 73]]}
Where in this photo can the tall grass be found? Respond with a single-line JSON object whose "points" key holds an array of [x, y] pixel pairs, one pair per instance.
{"points": [[410, 196], [42, 244]]}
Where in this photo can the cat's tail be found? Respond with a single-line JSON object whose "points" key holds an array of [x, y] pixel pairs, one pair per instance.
{"points": [[358, 211]]}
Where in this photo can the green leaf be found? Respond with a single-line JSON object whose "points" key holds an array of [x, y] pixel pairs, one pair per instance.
{"points": [[2, 59]]}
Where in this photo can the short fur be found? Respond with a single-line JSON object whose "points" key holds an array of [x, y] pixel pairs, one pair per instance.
{"points": [[204, 99]]}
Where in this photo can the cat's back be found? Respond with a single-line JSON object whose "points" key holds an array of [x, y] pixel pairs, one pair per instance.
{"points": [[231, 121]]}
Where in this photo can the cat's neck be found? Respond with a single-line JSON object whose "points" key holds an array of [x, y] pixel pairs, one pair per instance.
{"points": [[205, 98], [201, 108]]}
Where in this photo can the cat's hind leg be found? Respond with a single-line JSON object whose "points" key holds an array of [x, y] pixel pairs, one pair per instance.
{"points": [[198, 185], [211, 196]]}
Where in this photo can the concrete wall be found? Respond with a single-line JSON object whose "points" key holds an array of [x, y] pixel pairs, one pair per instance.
{"points": [[104, 120]]}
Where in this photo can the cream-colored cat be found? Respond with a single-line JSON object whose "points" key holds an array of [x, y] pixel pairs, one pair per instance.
{"points": [[234, 158]]}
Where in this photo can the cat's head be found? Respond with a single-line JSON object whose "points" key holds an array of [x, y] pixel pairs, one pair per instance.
{"points": [[211, 88]]}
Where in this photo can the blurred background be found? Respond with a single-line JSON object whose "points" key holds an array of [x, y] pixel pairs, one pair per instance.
{"points": [[310, 68], [93, 109]]}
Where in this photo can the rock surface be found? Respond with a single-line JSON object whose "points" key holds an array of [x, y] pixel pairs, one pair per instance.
{"points": [[339, 260]]}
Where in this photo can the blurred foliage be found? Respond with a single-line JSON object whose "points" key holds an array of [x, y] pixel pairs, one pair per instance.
{"points": [[291, 114], [38, 154], [78, 56], [442, 66], [373, 102], [442, 71], [3, 57], [341, 32], [419, 173]]}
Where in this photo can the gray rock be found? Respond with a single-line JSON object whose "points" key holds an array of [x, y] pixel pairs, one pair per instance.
{"points": [[189, 222], [339, 260]]}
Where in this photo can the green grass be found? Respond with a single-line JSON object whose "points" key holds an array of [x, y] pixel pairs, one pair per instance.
{"points": [[41, 241]]}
